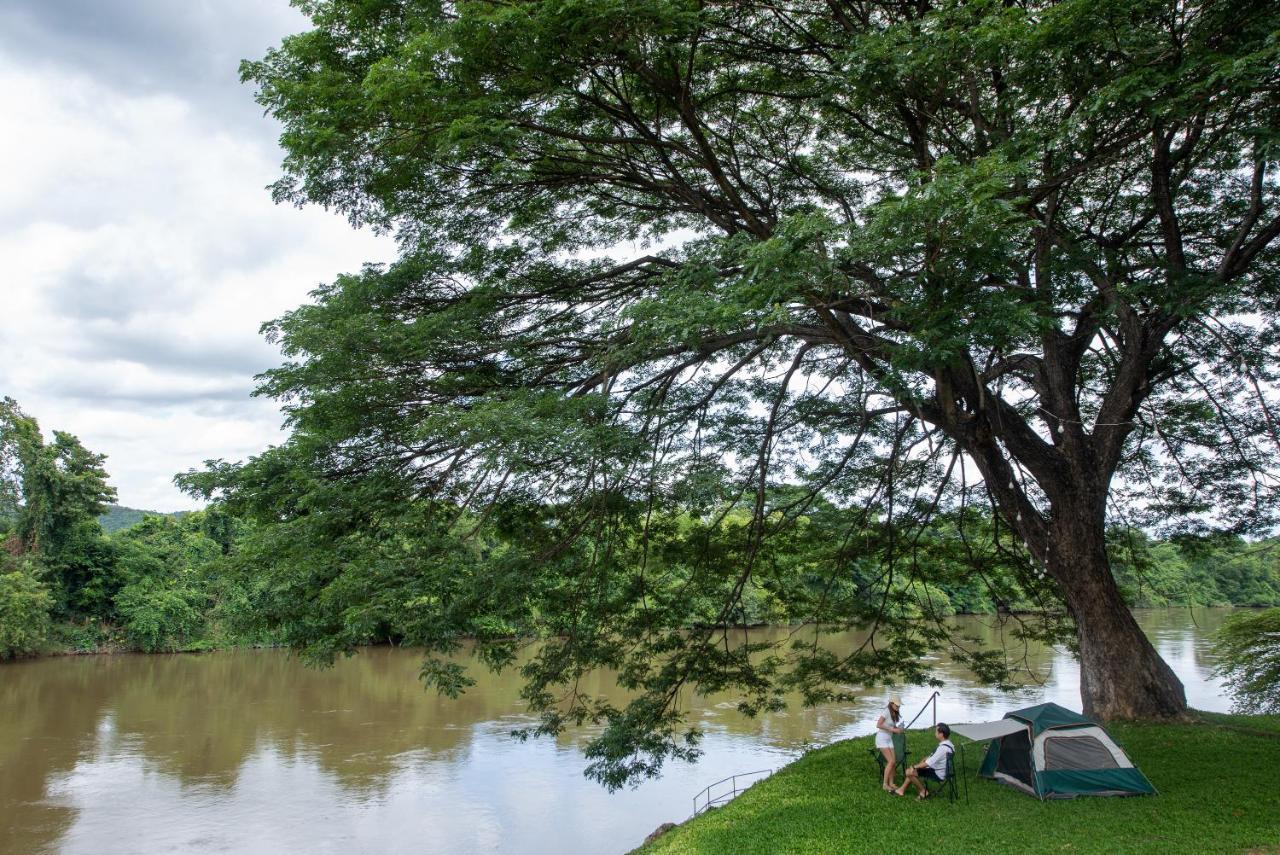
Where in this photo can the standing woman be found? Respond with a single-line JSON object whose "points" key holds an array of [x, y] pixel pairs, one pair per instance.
{"points": [[887, 725]]}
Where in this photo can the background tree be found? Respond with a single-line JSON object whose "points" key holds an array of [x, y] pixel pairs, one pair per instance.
{"points": [[51, 496], [168, 573], [702, 258]]}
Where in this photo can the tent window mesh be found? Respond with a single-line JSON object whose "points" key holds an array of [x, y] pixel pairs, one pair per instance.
{"points": [[1078, 752]]}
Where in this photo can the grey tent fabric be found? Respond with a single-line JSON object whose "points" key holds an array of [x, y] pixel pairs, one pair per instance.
{"points": [[980, 731], [1096, 736], [1079, 753]]}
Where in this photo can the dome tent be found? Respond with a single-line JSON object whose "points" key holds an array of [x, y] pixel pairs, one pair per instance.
{"points": [[1060, 754]]}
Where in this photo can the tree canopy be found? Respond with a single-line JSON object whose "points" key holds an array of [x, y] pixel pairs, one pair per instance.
{"points": [[680, 282]]}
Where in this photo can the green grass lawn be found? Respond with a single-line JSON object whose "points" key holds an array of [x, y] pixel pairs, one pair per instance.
{"points": [[1219, 783]]}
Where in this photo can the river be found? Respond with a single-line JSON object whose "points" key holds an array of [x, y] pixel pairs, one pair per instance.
{"points": [[251, 752]]}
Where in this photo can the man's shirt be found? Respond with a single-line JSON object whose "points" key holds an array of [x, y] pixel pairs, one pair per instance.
{"points": [[938, 759]]}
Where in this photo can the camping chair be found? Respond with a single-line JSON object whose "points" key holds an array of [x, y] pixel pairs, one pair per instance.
{"points": [[949, 783], [899, 754]]}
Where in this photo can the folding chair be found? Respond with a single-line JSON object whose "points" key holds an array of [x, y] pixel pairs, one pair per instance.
{"points": [[948, 784], [899, 754]]}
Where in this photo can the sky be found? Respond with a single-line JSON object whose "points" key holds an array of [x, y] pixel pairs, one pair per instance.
{"points": [[141, 249]]}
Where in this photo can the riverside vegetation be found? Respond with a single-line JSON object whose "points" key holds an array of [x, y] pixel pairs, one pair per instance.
{"points": [[66, 585], [187, 582]]}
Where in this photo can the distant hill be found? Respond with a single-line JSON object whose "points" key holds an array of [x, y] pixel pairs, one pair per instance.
{"points": [[118, 517]]}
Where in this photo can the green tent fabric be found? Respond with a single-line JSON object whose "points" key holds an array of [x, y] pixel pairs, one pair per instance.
{"points": [[1104, 782], [1042, 717], [1062, 754]]}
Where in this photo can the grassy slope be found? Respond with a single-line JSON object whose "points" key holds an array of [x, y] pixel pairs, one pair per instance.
{"points": [[1218, 781]]}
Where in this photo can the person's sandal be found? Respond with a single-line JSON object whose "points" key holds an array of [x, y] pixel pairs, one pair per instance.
{"points": [[922, 796]]}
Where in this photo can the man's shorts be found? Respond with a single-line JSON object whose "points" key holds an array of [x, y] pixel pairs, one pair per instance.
{"points": [[928, 773]]}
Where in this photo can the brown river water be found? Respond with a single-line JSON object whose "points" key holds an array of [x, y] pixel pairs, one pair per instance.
{"points": [[252, 752]]}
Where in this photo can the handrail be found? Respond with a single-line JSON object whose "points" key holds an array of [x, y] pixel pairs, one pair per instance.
{"points": [[724, 797], [933, 699]]}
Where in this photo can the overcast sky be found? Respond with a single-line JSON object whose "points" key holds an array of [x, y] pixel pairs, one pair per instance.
{"points": [[141, 250]]}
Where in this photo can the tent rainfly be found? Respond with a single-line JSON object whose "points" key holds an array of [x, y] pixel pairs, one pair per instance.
{"points": [[1050, 752]]}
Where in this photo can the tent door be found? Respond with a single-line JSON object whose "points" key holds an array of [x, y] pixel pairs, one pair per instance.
{"points": [[1015, 759]]}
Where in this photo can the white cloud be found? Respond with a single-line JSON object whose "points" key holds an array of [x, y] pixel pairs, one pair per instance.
{"points": [[142, 253]]}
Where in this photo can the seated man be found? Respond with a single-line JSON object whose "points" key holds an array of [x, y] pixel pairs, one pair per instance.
{"points": [[931, 768]]}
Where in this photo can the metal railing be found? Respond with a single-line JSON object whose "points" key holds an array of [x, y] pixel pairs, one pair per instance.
{"points": [[707, 799], [933, 700]]}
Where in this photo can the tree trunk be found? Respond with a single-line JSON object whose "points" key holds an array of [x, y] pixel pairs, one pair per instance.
{"points": [[1121, 675]]}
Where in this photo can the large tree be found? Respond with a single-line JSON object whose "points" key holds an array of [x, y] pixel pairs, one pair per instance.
{"points": [[667, 261], [51, 494]]}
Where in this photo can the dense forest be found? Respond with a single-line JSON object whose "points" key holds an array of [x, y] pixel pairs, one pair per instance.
{"points": [[78, 574]]}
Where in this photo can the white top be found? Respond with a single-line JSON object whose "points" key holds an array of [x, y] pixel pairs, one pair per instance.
{"points": [[938, 759], [884, 739]]}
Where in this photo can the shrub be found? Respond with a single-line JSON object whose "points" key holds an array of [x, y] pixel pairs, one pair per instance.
{"points": [[85, 636], [25, 603], [161, 615]]}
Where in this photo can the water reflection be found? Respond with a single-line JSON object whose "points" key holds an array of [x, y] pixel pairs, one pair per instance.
{"points": [[250, 752]]}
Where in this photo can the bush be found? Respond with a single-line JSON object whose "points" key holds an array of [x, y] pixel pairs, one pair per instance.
{"points": [[25, 603], [85, 636], [161, 615], [1249, 649]]}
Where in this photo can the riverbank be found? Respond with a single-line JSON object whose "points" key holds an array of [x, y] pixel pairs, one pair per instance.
{"points": [[1215, 776], [97, 638]]}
